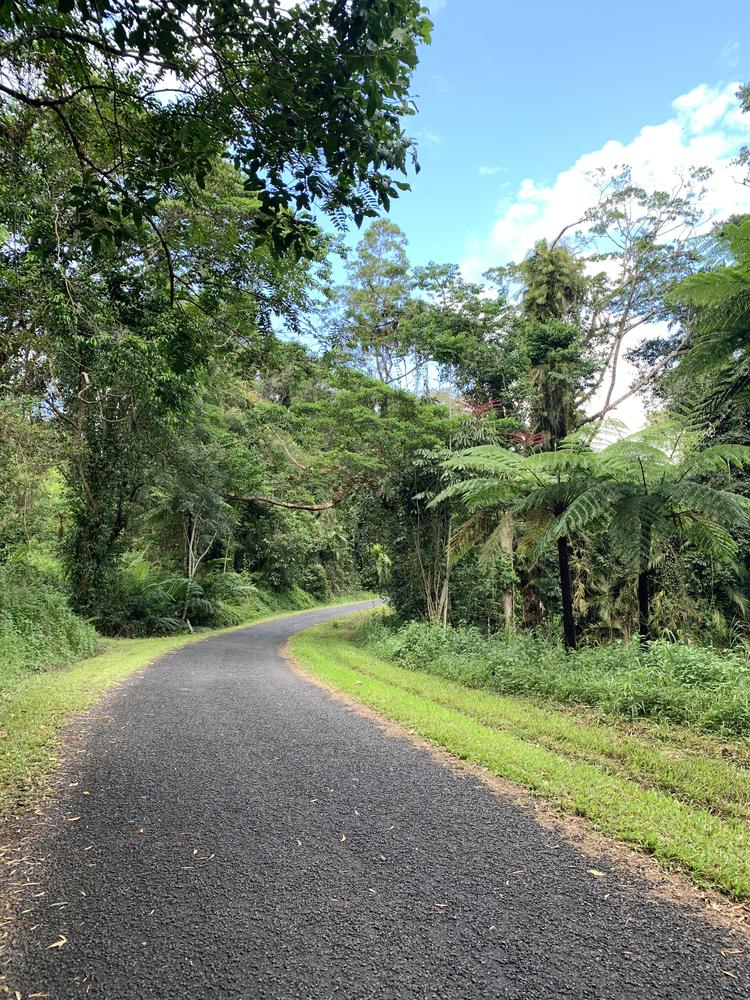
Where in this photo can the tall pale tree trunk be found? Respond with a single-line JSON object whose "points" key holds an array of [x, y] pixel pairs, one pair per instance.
{"points": [[644, 607], [508, 599], [566, 592], [644, 587]]}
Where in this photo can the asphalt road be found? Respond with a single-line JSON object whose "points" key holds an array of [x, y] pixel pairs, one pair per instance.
{"points": [[242, 834]]}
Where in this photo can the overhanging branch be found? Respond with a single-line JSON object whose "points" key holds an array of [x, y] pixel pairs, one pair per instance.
{"points": [[290, 504]]}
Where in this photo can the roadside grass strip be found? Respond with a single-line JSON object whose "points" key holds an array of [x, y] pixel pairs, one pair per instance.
{"points": [[507, 736]]}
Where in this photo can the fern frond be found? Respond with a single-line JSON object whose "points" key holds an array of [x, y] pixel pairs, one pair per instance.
{"points": [[469, 534], [689, 498], [590, 508], [485, 458], [562, 461], [717, 458], [711, 538]]}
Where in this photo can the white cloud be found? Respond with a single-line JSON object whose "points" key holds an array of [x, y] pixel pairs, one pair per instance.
{"points": [[490, 171], [729, 55], [428, 138], [707, 128]]}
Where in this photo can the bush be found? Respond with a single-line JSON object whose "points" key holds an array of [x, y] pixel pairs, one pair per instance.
{"points": [[670, 682], [37, 627], [153, 604]]}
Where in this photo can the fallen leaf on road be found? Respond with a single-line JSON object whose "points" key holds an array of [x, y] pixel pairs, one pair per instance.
{"points": [[596, 873], [62, 940], [343, 837]]}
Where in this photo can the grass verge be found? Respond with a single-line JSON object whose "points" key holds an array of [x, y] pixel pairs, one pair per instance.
{"points": [[676, 799], [35, 706]]}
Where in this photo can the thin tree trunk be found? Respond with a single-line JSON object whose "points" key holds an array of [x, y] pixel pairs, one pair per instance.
{"points": [[644, 607], [566, 592], [445, 598], [508, 597]]}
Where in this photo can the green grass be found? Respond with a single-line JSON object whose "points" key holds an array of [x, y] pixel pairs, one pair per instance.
{"points": [[662, 789], [35, 705]]}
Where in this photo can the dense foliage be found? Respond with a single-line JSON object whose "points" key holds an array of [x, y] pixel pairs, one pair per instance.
{"points": [[194, 418], [668, 682]]}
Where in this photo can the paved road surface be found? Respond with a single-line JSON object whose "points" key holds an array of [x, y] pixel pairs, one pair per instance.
{"points": [[247, 836]]}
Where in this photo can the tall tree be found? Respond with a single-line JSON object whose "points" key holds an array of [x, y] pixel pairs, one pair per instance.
{"points": [[553, 299], [644, 242], [365, 317]]}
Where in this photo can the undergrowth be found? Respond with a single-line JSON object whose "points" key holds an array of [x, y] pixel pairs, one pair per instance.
{"points": [[670, 682]]}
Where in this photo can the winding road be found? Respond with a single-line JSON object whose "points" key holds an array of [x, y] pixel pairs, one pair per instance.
{"points": [[228, 829]]}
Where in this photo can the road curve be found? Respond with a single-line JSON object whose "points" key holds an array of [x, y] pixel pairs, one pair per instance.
{"points": [[242, 835]]}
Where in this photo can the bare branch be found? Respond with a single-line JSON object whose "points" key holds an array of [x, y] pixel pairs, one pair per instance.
{"points": [[645, 380]]}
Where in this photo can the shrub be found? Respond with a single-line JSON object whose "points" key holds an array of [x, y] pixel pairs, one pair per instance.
{"points": [[37, 626], [154, 604], [670, 682]]}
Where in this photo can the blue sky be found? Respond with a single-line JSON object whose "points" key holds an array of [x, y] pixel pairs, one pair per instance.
{"points": [[509, 92]]}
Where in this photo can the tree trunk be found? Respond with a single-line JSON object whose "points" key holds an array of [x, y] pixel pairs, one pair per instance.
{"points": [[508, 597], [566, 592], [443, 602], [644, 607]]}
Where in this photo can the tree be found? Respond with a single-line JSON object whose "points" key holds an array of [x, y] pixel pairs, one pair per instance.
{"points": [[554, 294], [540, 487], [653, 486], [716, 361], [455, 324], [309, 98], [645, 242], [365, 317], [114, 358]]}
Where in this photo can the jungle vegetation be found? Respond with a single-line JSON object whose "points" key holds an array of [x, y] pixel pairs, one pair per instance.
{"points": [[196, 415]]}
